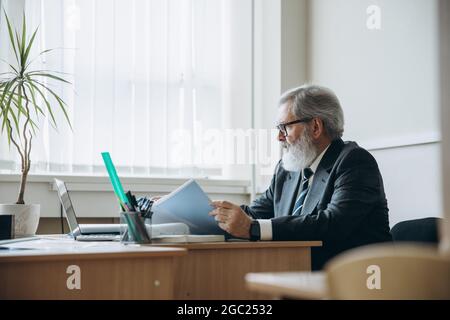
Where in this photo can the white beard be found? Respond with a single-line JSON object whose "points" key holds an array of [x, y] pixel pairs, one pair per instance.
{"points": [[300, 154]]}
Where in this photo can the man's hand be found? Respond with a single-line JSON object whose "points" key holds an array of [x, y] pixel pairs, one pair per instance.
{"points": [[232, 219], [155, 198]]}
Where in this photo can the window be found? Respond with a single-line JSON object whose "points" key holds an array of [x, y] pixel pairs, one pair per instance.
{"points": [[149, 77]]}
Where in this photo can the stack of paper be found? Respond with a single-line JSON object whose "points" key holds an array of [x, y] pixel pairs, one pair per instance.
{"points": [[192, 238], [188, 204]]}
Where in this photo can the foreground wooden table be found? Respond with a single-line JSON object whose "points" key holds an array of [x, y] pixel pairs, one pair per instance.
{"points": [[217, 270], [70, 270], [292, 285]]}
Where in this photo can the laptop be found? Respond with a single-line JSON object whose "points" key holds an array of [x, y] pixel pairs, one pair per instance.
{"points": [[85, 232]]}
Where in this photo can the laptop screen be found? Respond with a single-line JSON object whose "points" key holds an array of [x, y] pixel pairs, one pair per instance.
{"points": [[67, 205]]}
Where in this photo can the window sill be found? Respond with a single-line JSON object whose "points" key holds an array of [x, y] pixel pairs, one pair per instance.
{"points": [[136, 184]]}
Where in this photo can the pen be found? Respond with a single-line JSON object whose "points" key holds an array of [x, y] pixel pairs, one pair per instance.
{"points": [[130, 201], [133, 200]]}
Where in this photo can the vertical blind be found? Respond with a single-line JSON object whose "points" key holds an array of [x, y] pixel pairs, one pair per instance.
{"points": [[144, 73]]}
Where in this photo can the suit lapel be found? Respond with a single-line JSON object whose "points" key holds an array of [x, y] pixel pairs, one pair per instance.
{"points": [[289, 192], [321, 176]]}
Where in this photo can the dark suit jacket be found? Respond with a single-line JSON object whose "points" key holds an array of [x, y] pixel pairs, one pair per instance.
{"points": [[346, 206]]}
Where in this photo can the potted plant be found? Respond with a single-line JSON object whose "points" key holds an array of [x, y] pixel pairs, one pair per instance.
{"points": [[23, 99]]}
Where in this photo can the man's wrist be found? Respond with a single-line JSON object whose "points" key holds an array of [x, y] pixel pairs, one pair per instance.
{"points": [[255, 231]]}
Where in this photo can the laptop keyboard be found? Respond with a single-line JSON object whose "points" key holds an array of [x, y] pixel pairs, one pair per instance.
{"points": [[98, 237]]}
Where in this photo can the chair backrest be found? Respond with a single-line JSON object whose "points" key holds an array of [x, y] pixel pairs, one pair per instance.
{"points": [[418, 230], [389, 271]]}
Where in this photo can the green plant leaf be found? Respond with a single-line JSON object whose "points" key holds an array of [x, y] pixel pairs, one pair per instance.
{"points": [[4, 73], [41, 53], [48, 75], [19, 99], [16, 121], [45, 51], [45, 100], [33, 98], [11, 66], [24, 37], [8, 134], [7, 111], [19, 48], [20, 108], [27, 51], [47, 71], [61, 102], [6, 89], [11, 37], [8, 106]]}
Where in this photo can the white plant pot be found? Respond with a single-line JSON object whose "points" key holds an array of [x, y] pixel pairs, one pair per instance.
{"points": [[26, 218]]}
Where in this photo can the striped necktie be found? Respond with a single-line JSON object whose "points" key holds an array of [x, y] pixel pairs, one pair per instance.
{"points": [[307, 173]]}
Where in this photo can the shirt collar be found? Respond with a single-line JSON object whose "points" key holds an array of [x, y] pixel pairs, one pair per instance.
{"points": [[316, 162]]}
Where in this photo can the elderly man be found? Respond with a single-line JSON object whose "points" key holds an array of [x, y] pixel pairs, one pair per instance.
{"points": [[323, 188]]}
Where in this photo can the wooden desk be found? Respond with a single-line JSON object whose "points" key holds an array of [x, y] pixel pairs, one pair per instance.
{"points": [[113, 271], [107, 271], [217, 270], [296, 285]]}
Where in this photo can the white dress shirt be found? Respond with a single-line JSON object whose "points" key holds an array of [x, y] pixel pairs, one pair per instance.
{"points": [[266, 224]]}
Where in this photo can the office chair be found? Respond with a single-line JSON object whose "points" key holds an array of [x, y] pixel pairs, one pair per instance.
{"points": [[418, 230], [403, 271]]}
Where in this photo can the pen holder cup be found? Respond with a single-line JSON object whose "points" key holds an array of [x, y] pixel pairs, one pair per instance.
{"points": [[133, 228]]}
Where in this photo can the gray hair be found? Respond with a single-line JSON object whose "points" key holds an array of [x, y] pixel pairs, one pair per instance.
{"points": [[312, 101]]}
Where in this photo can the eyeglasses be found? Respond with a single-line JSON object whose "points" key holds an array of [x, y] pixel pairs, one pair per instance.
{"points": [[282, 126]]}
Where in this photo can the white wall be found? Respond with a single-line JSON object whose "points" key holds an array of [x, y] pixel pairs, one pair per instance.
{"points": [[412, 181], [313, 40], [387, 79], [388, 82]]}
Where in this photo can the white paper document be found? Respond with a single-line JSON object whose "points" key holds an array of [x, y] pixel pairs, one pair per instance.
{"points": [[188, 204]]}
